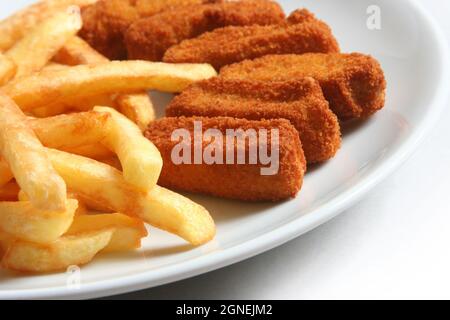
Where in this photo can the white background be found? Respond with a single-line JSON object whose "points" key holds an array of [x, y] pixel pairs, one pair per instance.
{"points": [[394, 244]]}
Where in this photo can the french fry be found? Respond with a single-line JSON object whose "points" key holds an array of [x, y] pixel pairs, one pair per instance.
{"points": [[128, 231], [50, 111], [23, 221], [27, 160], [13, 28], [44, 41], [141, 160], [58, 255], [112, 77], [81, 209], [92, 151], [9, 192], [71, 130], [102, 186], [7, 69], [137, 107], [52, 66], [76, 105], [76, 52]]}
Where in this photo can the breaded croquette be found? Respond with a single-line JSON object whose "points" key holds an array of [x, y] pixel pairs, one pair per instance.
{"points": [[105, 22], [232, 44], [299, 101], [234, 181], [149, 38], [353, 84]]}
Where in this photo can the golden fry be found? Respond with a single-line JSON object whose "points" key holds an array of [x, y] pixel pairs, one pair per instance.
{"points": [[138, 108], [33, 51], [102, 186], [140, 159], [128, 231], [26, 158], [58, 255], [23, 221], [22, 22], [71, 130], [76, 52], [118, 76]]}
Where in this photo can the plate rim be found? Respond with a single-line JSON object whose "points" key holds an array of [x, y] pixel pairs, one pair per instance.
{"points": [[281, 234]]}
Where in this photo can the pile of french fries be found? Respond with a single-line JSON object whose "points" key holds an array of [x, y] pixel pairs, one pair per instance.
{"points": [[77, 176]]}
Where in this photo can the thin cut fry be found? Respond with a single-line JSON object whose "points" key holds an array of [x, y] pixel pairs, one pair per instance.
{"points": [[128, 231], [26, 158], [118, 76], [137, 107], [22, 22], [7, 69], [23, 221], [71, 130], [141, 161], [33, 51], [58, 255], [102, 186], [77, 52], [81, 210]]}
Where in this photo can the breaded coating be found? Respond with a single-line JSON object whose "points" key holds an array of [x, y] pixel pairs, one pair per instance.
{"points": [[353, 84], [233, 181], [105, 22], [233, 44], [149, 38], [299, 101]]}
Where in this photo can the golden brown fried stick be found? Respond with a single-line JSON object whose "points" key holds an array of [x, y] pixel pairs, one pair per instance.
{"points": [[105, 22], [149, 38], [353, 84], [234, 181], [233, 44], [299, 101]]}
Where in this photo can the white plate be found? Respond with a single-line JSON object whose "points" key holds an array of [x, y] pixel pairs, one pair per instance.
{"points": [[414, 56]]}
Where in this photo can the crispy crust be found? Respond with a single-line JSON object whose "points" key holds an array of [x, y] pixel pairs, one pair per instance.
{"points": [[105, 22], [149, 38], [299, 101], [242, 182], [354, 84], [304, 33]]}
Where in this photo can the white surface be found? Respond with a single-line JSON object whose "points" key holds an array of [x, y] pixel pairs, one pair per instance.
{"points": [[336, 259]]}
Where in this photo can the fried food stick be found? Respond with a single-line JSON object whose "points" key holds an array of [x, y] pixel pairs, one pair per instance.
{"points": [[105, 22], [299, 101], [353, 84], [149, 38], [234, 181], [232, 44], [138, 107]]}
